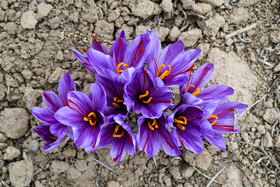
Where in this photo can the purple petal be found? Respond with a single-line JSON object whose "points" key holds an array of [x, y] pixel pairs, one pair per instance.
{"points": [[69, 117], [66, 85], [86, 135], [215, 92], [52, 101], [80, 102], [98, 97], [98, 46], [168, 144], [118, 49], [59, 130], [190, 99], [217, 140], [43, 115], [85, 61]]}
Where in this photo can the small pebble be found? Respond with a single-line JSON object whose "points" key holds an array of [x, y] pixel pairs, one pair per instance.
{"points": [[33, 146]]}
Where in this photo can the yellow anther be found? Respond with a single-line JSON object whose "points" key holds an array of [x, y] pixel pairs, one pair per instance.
{"points": [[159, 69], [115, 135], [117, 101], [180, 121], [165, 73], [181, 126], [91, 118], [194, 93], [116, 105], [119, 71], [53, 137], [92, 114], [144, 95], [92, 123], [148, 101], [151, 126], [183, 118], [213, 116]]}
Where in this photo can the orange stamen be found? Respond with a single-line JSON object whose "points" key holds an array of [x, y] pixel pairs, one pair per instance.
{"points": [[213, 116], [115, 135], [119, 71]]}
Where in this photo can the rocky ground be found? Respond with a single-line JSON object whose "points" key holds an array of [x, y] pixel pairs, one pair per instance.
{"points": [[33, 59]]}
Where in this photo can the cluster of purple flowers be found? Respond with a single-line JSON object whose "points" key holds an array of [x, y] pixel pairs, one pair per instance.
{"points": [[138, 77]]}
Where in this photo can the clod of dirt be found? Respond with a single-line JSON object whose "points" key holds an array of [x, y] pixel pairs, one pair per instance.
{"points": [[270, 115], [211, 26], [43, 10], [214, 3], [30, 97], [275, 36], [166, 6], [247, 3], [276, 141], [56, 75], [175, 172], [2, 91], [240, 78], [14, 122], [3, 138], [58, 167], [202, 160], [113, 184], [187, 4], [240, 15], [10, 28], [33, 146], [21, 173], [190, 37], [113, 15], [201, 8], [104, 29], [11, 153], [28, 20], [234, 175], [3, 146], [267, 140], [204, 49], [187, 171], [144, 9], [162, 32], [174, 34]]}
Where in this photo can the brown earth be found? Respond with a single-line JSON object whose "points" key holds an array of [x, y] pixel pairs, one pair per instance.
{"points": [[33, 59]]}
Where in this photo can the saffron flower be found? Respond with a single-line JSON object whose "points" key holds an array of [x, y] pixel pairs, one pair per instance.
{"points": [[119, 134], [193, 92], [53, 104], [122, 58], [146, 94], [153, 134], [223, 120], [187, 124], [173, 63], [115, 101], [52, 141], [84, 115]]}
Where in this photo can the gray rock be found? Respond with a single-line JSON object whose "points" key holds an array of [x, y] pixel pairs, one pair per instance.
{"points": [[3, 146], [21, 173], [3, 138], [11, 153], [267, 140], [43, 10], [270, 115], [276, 141], [275, 36], [174, 34], [261, 129], [56, 75], [277, 68], [202, 160], [33, 146], [145, 9], [14, 122], [1, 164], [190, 37], [10, 28], [28, 20]]}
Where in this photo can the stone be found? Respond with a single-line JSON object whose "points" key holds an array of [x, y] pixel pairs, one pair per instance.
{"points": [[175, 172], [3, 146], [204, 50], [202, 160], [56, 75], [3, 138], [270, 115], [234, 175], [69, 152], [267, 140], [275, 36], [59, 55], [38, 184], [211, 26], [237, 75], [2, 91], [10, 28], [14, 122], [43, 10], [141, 29], [174, 34], [239, 15], [1, 164], [277, 68], [190, 37], [114, 14], [33, 146], [113, 184], [261, 129], [166, 6], [276, 141], [10, 81], [187, 171], [201, 8], [31, 97], [11, 153], [187, 4], [27, 74], [162, 32], [58, 167], [145, 9], [21, 173], [104, 29], [28, 20], [214, 3], [247, 3]]}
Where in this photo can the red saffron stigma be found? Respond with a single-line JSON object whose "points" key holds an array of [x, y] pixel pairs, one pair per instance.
{"points": [[179, 137], [146, 141], [160, 101], [99, 45], [95, 137], [190, 69], [192, 113], [120, 153], [72, 89], [195, 119], [80, 112], [86, 64], [166, 140], [46, 96], [120, 44], [229, 110], [205, 71], [84, 49]]}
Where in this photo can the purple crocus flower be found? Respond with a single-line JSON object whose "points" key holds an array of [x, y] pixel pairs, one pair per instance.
{"points": [[119, 134], [172, 64], [222, 120], [188, 125], [146, 94], [52, 141], [122, 58], [84, 115], [193, 94], [54, 103], [153, 134], [115, 101]]}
